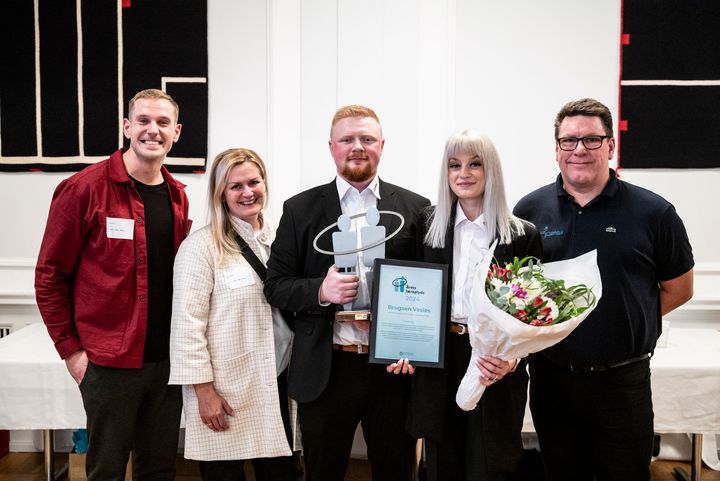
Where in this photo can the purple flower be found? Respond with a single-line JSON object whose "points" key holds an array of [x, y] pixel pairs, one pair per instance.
{"points": [[519, 292]]}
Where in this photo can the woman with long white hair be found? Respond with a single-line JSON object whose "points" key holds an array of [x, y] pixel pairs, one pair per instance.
{"points": [[483, 444]]}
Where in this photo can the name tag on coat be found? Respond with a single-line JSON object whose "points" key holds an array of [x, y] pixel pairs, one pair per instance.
{"points": [[116, 228], [239, 276]]}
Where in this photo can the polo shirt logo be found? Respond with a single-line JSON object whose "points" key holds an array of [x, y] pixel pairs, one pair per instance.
{"points": [[611, 229], [546, 232]]}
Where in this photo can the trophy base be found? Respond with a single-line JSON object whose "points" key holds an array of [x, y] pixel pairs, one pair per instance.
{"points": [[351, 316]]}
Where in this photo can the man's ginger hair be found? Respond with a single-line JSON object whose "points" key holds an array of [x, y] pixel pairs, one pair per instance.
{"points": [[353, 111]]}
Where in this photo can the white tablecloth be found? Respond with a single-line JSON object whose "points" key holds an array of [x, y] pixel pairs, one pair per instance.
{"points": [[686, 387], [36, 390], [686, 382]]}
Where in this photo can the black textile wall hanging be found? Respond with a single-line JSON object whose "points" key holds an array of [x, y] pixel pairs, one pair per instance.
{"points": [[670, 84], [69, 68]]}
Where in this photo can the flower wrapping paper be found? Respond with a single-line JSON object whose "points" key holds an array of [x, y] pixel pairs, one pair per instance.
{"points": [[494, 332]]}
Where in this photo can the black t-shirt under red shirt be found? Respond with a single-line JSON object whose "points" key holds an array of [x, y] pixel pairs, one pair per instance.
{"points": [[159, 231]]}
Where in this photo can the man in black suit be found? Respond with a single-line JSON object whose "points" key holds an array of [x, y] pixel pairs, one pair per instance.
{"points": [[329, 376]]}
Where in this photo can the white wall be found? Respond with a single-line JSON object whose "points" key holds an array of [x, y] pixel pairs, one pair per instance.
{"points": [[278, 69]]}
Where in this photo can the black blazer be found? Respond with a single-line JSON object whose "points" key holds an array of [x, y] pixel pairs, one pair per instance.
{"points": [[296, 271], [503, 403]]}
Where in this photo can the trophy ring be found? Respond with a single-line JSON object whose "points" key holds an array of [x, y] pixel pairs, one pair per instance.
{"points": [[363, 248]]}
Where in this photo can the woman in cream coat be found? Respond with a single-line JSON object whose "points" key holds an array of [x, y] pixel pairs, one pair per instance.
{"points": [[228, 348]]}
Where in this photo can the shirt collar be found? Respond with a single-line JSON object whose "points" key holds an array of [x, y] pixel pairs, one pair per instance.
{"points": [[118, 172], [265, 235], [461, 218], [610, 189], [343, 186], [241, 227]]}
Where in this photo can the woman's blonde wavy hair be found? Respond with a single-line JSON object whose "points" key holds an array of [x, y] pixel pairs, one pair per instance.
{"points": [[221, 228]]}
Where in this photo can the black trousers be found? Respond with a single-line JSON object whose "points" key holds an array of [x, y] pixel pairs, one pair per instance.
{"points": [[265, 469], [358, 392], [593, 426], [283, 468], [463, 454], [131, 410]]}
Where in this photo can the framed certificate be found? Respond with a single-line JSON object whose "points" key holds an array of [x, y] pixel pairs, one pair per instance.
{"points": [[408, 312]]}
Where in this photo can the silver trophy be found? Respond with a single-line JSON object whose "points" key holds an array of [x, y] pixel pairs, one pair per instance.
{"points": [[346, 252]]}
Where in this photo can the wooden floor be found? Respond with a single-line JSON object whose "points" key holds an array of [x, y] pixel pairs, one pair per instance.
{"points": [[29, 467]]}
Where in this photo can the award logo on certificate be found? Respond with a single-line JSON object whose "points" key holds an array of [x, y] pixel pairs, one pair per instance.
{"points": [[408, 312]]}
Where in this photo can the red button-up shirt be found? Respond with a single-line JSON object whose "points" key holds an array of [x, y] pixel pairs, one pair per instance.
{"points": [[91, 288]]}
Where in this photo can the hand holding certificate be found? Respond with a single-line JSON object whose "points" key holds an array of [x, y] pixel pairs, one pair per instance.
{"points": [[408, 312]]}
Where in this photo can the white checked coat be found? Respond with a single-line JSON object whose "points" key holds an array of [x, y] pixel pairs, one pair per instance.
{"points": [[222, 332]]}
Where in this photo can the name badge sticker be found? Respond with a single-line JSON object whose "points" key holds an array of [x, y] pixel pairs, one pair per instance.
{"points": [[239, 276], [117, 228]]}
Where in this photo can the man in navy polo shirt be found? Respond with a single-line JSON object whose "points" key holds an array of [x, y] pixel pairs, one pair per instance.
{"points": [[590, 394]]}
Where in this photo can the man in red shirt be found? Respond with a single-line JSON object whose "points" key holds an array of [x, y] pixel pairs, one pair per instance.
{"points": [[103, 284]]}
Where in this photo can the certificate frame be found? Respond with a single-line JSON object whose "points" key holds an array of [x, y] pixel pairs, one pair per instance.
{"points": [[408, 312]]}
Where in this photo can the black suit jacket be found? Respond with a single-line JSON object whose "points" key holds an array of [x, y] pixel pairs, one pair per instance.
{"points": [[296, 271], [503, 403]]}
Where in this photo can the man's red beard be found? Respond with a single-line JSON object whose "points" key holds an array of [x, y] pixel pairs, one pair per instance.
{"points": [[359, 173]]}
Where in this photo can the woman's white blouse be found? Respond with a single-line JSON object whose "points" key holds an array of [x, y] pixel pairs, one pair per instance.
{"points": [[471, 242]]}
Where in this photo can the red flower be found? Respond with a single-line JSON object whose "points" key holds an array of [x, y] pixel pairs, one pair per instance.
{"points": [[538, 301], [499, 272], [538, 322]]}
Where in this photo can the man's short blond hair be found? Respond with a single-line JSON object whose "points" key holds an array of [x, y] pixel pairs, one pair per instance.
{"points": [[353, 111], [153, 94]]}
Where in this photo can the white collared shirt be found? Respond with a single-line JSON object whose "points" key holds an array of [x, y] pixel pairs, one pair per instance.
{"points": [[472, 241], [354, 202]]}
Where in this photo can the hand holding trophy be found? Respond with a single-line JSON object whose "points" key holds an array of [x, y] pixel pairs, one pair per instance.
{"points": [[342, 283], [346, 264]]}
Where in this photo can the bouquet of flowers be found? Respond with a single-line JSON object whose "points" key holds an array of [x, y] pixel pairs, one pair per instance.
{"points": [[523, 308], [522, 290]]}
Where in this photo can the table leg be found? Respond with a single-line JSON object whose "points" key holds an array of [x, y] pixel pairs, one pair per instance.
{"points": [[696, 463], [50, 474], [696, 469], [49, 455]]}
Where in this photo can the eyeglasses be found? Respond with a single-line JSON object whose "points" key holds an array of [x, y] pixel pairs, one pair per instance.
{"points": [[591, 142]]}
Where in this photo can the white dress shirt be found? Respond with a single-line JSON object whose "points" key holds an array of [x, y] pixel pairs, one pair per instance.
{"points": [[354, 202], [472, 241]]}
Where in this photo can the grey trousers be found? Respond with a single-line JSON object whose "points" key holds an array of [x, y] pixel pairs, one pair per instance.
{"points": [[131, 410]]}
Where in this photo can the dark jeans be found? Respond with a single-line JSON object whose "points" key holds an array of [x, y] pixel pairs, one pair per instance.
{"points": [[593, 425], [358, 392], [283, 468], [131, 410]]}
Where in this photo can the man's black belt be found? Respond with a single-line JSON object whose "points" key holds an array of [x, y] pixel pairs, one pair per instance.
{"points": [[607, 367]]}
